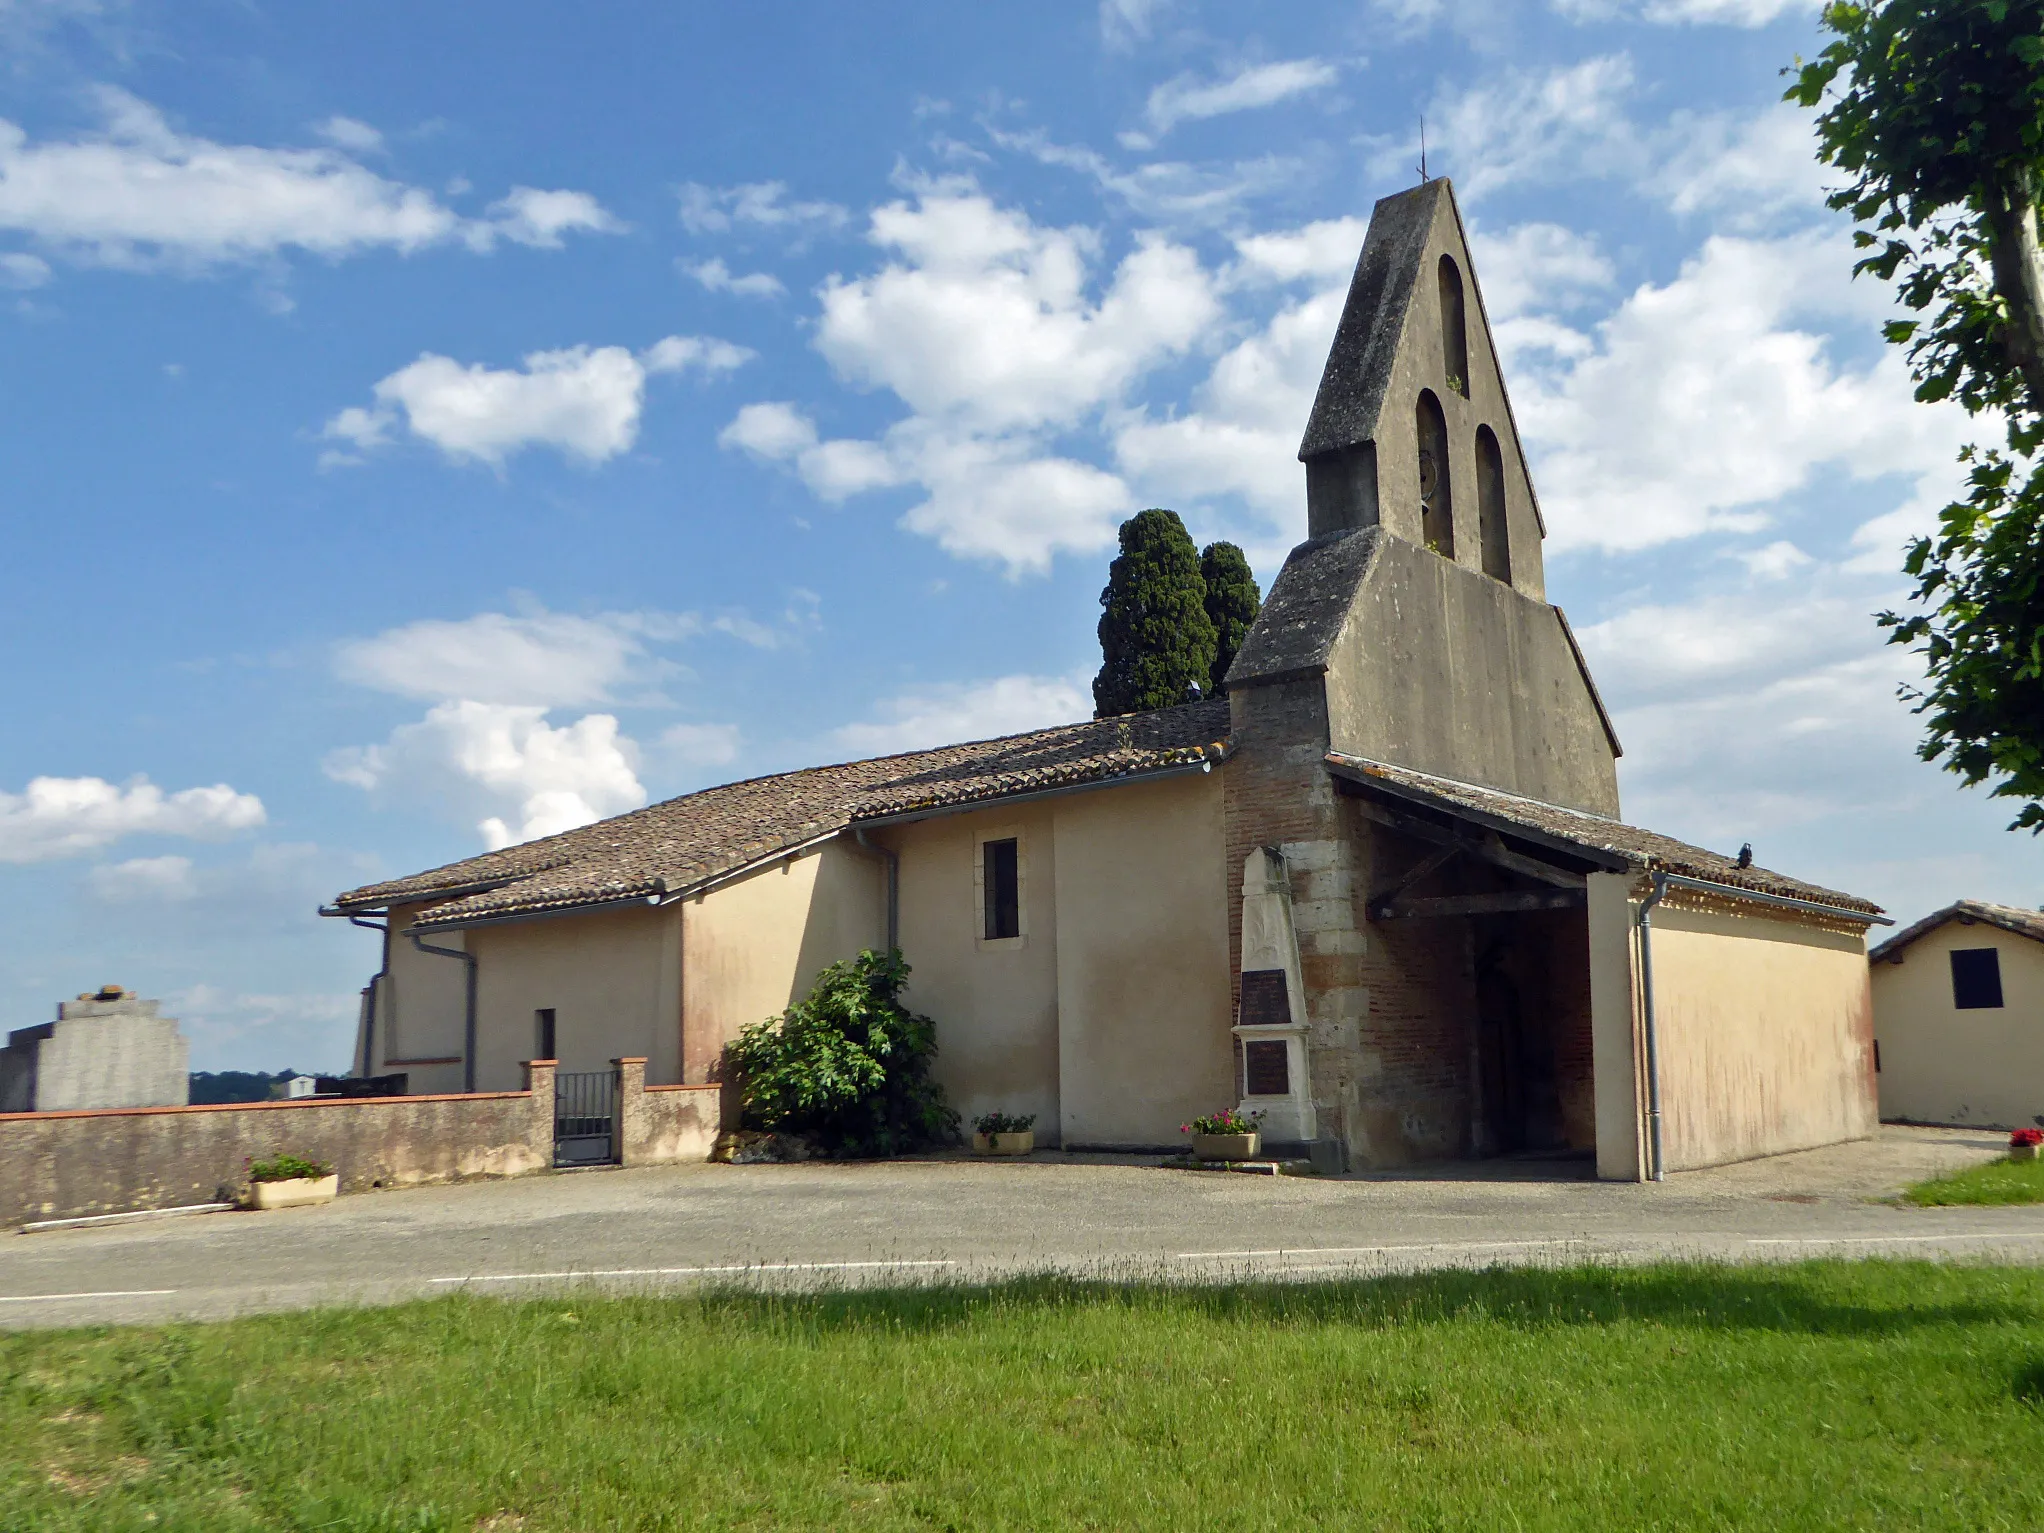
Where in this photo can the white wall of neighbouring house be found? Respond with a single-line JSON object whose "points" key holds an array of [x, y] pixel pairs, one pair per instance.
{"points": [[1941, 1064], [753, 947], [419, 1010], [1765, 1027]]}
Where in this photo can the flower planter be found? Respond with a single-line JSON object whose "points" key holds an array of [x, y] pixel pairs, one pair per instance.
{"points": [[1226, 1146], [296, 1193], [2022, 1152], [1018, 1142]]}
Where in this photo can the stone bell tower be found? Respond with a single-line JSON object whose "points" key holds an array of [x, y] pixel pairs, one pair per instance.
{"points": [[1411, 629]]}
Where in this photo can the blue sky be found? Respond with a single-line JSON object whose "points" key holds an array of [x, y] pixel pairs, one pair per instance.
{"points": [[426, 426]]}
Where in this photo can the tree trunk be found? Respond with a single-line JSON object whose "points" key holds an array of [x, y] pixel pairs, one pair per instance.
{"points": [[2019, 279]]}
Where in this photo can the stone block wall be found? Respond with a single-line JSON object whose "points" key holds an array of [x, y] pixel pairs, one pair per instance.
{"points": [[71, 1164]]}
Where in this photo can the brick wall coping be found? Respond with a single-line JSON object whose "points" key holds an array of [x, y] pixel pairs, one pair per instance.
{"points": [[136, 1112], [701, 1086]]}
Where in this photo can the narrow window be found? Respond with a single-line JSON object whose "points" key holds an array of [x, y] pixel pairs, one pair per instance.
{"points": [[1002, 882], [543, 1021], [1454, 330], [1976, 979], [1436, 498], [1493, 532]]}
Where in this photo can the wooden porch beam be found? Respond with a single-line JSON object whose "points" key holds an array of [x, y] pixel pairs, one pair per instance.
{"points": [[1514, 903], [1488, 846]]}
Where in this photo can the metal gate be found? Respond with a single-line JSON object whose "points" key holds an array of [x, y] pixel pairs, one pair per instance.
{"points": [[585, 1118]]}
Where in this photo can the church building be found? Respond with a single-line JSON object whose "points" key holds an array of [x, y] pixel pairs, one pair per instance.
{"points": [[1380, 892]]}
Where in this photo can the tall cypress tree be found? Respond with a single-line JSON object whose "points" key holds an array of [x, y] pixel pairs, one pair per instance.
{"points": [[1232, 604], [1156, 641]]}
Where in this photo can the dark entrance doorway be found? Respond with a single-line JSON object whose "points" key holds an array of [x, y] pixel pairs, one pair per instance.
{"points": [[585, 1118], [1518, 1080]]}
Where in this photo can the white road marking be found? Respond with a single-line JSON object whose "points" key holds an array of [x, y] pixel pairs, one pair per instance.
{"points": [[1883, 1240], [114, 1293], [1433, 1245], [526, 1277]]}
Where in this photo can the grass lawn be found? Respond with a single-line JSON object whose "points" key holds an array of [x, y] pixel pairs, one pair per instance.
{"points": [[1999, 1181], [1828, 1395]]}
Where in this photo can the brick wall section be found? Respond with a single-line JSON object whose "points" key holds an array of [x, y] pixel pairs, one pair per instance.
{"points": [[1389, 1007], [67, 1165]]}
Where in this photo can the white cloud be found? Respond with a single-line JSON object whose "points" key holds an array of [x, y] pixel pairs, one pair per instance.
{"points": [[699, 744], [1538, 266], [1732, 13], [528, 216], [141, 194], [64, 816], [144, 880], [21, 270], [1188, 99], [1742, 169], [952, 714], [350, 134], [1166, 192], [1124, 23], [758, 204], [1698, 404], [984, 316], [234, 1029], [678, 353], [714, 275], [584, 401], [536, 658], [1322, 252], [1527, 126], [475, 758]]}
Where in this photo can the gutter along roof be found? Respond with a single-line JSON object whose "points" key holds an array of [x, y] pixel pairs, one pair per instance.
{"points": [[1611, 844], [669, 849]]}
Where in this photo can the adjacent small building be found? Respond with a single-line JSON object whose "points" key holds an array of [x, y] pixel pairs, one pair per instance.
{"points": [[108, 1048], [1959, 1018]]}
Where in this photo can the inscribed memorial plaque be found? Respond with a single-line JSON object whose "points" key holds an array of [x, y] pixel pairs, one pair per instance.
{"points": [[1264, 1065], [1265, 1001]]}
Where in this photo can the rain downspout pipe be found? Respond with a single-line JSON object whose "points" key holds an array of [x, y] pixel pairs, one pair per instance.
{"points": [[375, 991], [468, 1020], [1655, 1169], [893, 886]]}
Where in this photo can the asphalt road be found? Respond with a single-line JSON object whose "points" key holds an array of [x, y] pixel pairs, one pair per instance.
{"points": [[950, 1218]]}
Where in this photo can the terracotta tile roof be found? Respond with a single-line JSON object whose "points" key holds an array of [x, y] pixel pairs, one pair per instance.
{"points": [[1612, 842], [2010, 918], [671, 847]]}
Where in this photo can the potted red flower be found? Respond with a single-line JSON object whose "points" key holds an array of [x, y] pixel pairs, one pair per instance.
{"points": [[2023, 1143], [1226, 1135]]}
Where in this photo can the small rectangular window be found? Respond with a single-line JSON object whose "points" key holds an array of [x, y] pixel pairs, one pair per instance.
{"points": [[544, 1018], [1001, 878], [1976, 979]]}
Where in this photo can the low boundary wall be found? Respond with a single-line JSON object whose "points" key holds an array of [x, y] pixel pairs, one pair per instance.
{"points": [[62, 1165]]}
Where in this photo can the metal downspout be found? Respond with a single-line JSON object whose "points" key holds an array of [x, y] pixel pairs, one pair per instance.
{"points": [[1656, 1170], [375, 991], [893, 887], [468, 1021]]}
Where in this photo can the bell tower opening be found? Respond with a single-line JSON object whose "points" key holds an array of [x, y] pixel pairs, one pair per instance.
{"points": [[1493, 531], [1454, 327], [1436, 496]]}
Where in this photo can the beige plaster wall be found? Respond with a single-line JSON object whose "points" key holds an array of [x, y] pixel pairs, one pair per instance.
{"points": [[1142, 961], [752, 947], [1619, 1087], [419, 1015], [995, 1003], [612, 978], [1943, 1065], [1766, 1034]]}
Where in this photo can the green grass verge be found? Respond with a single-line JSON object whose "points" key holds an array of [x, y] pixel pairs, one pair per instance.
{"points": [[1828, 1395], [1999, 1181]]}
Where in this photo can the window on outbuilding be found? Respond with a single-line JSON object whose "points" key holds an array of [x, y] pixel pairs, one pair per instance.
{"points": [[543, 1027], [1976, 979], [1001, 880]]}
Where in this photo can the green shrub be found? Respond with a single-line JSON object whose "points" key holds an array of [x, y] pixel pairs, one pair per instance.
{"points": [[848, 1067], [1003, 1123], [286, 1168]]}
